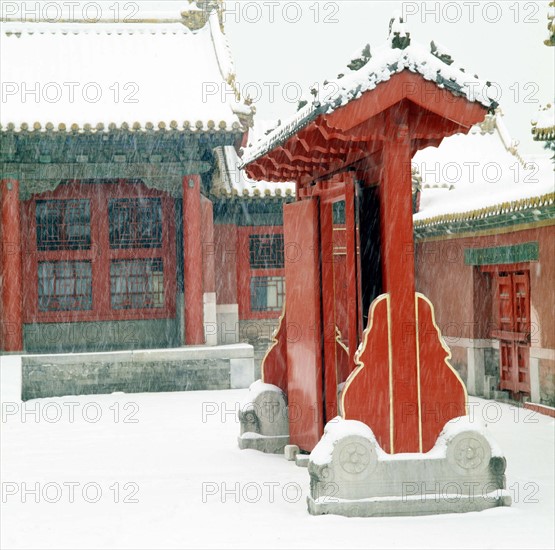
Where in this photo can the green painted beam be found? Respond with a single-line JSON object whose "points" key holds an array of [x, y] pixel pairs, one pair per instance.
{"points": [[512, 254], [107, 170]]}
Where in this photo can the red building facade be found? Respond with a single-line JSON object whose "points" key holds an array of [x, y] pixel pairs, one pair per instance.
{"points": [[131, 226], [120, 227]]}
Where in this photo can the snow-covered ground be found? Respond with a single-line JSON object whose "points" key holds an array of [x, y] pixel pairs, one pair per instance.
{"points": [[176, 456]]}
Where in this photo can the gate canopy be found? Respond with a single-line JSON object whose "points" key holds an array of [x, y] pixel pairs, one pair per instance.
{"points": [[344, 125], [361, 130]]}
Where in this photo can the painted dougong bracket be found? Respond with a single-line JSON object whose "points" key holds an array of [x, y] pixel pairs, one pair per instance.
{"points": [[403, 418]]}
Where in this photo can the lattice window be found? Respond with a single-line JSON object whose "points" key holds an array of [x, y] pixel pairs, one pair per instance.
{"points": [[63, 225], [266, 251], [135, 223], [65, 286], [267, 293], [338, 213], [100, 251], [137, 284]]}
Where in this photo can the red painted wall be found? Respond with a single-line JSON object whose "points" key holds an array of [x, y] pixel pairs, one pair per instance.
{"points": [[454, 288], [225, 240]]}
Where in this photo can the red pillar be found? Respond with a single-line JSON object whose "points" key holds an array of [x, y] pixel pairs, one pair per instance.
{"points": [[192, 248], [11, 325], [398, 276], [226, 273]]}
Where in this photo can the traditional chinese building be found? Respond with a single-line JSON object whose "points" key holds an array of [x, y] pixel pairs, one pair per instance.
{"points": [[485, 246], [485, 242], [124, 222]]}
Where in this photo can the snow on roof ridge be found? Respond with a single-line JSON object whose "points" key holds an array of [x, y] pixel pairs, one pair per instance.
{"points": [[153, 88], [503, 131], [494, 122], [524, 203], [463, 164], [19, 28], [130, 22], [361, 75], [222, 48], [226, 66], [510, 144]]}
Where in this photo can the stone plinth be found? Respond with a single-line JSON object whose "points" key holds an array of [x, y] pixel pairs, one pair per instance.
{"points": [[135, 371], [350, 475], [264, 419]]}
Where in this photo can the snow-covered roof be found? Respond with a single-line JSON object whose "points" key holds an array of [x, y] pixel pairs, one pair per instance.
{"points": [[371, 68], [105, 75], [543, 123], [230, 181], [479, 175]]}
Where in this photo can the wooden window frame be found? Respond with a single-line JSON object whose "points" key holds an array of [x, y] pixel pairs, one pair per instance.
{"points": [[278, 309], [75, 280], [100, 253], [63, 243], [244, 267]]}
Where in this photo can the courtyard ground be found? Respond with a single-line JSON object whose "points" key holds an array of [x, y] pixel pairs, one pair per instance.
{"points": [[164, 471]]}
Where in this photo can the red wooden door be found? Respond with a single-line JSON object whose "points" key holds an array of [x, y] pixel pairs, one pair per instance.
{"points": [[340, 307], [304, 334], [513, 330]]}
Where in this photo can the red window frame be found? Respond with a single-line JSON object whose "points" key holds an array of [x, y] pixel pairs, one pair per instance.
{"points": [[244, 266], [100, 253]]}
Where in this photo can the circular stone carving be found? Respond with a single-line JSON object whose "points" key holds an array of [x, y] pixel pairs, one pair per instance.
{"points": [[355, 457], [469, 453]]}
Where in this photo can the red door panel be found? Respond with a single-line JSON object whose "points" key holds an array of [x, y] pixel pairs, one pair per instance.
{"points": [[513, 299], [304, 343], [340, 300]]}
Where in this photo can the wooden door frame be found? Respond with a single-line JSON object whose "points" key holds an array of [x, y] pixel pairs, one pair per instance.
{"points": [[339, 188], [512, 340]]}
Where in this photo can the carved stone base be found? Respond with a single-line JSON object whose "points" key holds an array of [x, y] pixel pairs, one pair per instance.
{"points": [[421, 506], [264, 419], [350, 475]]}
